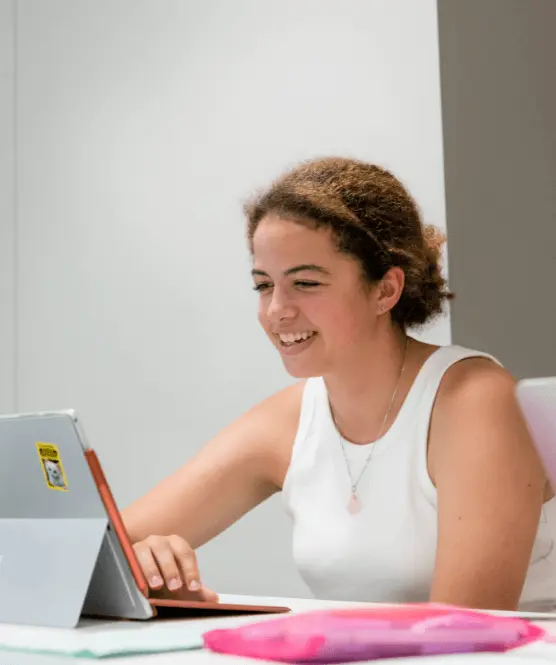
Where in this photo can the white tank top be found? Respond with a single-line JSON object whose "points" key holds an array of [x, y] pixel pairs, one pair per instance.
{"points": [[386, 552]]}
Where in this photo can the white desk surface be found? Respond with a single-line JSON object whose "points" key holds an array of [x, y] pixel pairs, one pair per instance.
{"points": [[535, 654]]}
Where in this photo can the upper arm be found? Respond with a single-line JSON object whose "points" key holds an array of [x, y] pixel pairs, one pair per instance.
{"points": [[235, 471], [490, 487]]}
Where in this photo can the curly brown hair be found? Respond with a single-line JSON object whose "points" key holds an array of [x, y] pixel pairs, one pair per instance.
{"points": [[373, 218]]}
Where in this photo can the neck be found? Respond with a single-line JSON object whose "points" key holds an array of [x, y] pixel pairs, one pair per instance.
{"points": [[360, 395]]}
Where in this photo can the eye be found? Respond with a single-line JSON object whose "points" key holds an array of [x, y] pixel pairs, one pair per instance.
{"points": [[306, 283], [262, 286]]}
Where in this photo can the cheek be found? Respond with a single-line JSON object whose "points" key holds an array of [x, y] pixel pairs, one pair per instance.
{"points": [[347, 320]]}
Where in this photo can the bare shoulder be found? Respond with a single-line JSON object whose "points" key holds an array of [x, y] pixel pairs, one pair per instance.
{"points": [[473, 378], [278, 415], [476, 413], [266, 432], [285, 404]]}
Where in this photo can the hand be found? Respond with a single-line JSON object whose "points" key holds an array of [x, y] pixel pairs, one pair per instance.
{"points": [[170, 564]]}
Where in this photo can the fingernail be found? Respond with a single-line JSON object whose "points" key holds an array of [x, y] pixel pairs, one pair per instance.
{"points": [[194, 585], [156, 580], [174, 583]]}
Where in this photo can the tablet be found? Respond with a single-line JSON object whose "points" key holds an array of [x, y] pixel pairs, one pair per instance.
{"points": [[64, 550]]}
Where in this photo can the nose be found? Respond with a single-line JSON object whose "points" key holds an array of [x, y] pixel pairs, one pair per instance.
{"points": [[280, 307]]}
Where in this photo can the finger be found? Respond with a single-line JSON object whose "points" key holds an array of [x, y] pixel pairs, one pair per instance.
{"points": [[187, 561], [209, 595], [148, 565], [167, 564]]}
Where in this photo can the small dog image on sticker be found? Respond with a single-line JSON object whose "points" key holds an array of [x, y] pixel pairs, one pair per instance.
{"points": [[54, 474], [52, 466]]}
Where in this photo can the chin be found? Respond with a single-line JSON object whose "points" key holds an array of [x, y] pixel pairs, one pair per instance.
{"points": [[302, 370]]}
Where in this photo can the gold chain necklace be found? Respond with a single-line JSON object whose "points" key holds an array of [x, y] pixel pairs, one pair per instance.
{"points": [[354, 505]]}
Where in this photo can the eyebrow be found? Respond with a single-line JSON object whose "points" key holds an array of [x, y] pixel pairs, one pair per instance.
{"points": [[304, 267]]}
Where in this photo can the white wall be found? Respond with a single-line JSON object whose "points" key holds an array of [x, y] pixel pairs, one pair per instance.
{"points": [[142, 125], [7, 199]]}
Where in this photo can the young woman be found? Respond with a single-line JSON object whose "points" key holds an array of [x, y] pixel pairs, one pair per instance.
{"points": [[406, 468]]}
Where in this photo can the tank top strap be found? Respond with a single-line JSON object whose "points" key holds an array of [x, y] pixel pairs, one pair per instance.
{"points": [[310, 407], [422, 394]]}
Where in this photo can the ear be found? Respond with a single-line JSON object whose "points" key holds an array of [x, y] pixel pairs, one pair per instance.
{"points": [[390, 289]]}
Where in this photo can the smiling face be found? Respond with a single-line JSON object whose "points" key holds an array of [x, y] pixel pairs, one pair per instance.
{"points": [[314, 304]]}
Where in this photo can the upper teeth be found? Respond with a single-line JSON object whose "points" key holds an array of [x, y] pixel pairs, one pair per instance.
{"points": [[294, 337]]}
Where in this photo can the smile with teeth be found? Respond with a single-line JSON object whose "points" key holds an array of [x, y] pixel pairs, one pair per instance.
{"points": [[288, 339]]}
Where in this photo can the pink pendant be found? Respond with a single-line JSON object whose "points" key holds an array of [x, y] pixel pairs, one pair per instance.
{"points": [[354, 505]]}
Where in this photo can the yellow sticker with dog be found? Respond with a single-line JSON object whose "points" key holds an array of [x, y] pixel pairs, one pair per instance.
{"points": [[52, 467]]}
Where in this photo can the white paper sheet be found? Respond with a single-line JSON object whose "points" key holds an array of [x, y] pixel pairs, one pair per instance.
{"points": [[98, 639]]}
